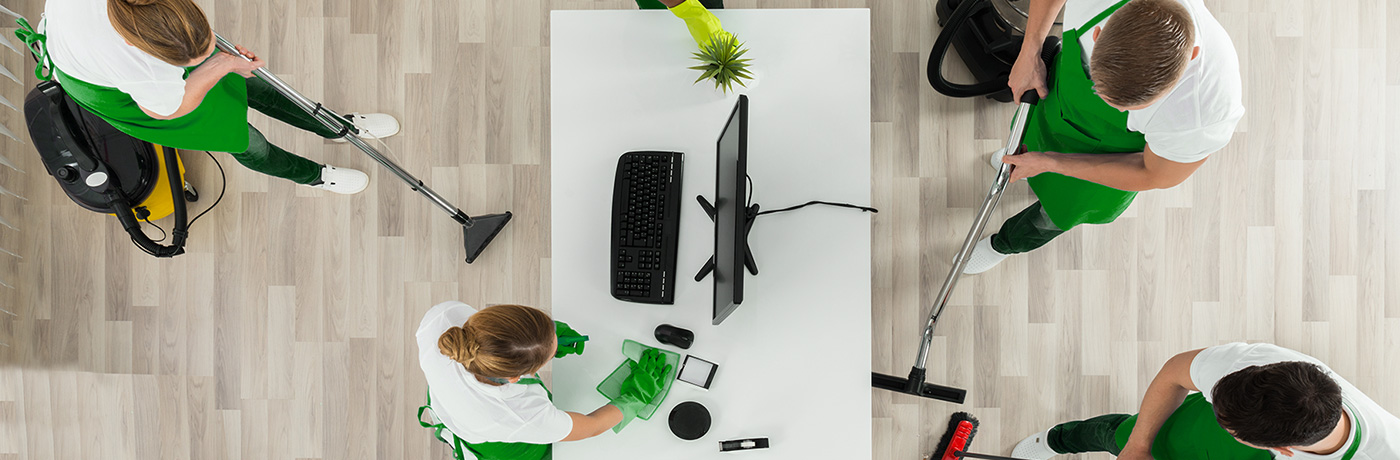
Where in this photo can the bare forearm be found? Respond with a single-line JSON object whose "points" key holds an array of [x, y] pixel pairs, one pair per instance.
{"points": [[1123, 171], [595, 423], [672, 3], [1161, 400], [1040, 19]]}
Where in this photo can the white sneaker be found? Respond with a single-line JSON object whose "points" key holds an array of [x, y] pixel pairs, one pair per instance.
{"points": [[996, 158], [344, 181], [373, 125], [983, 257], [1034, 447]]}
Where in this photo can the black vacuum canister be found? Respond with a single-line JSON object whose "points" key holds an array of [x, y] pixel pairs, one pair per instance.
{"points": [[690, 420]]}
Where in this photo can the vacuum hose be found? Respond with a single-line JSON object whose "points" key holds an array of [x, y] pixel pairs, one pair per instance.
{"points": [[123, 209], [957, 21]]}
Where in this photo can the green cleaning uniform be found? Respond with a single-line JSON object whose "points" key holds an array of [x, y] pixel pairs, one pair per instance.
{"points": [[218, 124], [1191, 433], [490, 450], [1071, 118]]}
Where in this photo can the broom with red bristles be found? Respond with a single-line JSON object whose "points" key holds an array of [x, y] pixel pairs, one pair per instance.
{"points": [[961, 428]]}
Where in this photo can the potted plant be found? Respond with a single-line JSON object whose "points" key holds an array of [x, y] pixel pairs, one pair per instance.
{"points": [[722, 61]]}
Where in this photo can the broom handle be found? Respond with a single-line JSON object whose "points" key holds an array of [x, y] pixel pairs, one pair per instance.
{"points": [[333, 121], [1018, 131], [985, 456]]}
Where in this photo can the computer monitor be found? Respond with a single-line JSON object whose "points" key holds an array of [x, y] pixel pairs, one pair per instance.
{"points": [[732, 217]]}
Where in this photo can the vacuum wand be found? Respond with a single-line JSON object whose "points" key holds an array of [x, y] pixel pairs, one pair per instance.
{"points": [[476, 241], [914, 384]]}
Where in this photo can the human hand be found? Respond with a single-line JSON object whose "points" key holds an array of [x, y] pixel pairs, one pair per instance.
{"points": [[1029, 164], [570, 341], [648, 376], [1027, 73], [235, 64]]}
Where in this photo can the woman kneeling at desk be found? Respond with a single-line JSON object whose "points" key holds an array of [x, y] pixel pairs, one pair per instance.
{"points": [[480, 368]]}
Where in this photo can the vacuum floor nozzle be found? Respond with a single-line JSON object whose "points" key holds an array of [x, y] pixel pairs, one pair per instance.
{"points": [[481, 232]]}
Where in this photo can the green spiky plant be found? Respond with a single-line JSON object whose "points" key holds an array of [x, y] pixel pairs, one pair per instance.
{"points": [[721, 62]]}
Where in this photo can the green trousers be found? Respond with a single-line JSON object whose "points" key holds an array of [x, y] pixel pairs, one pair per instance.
{"points": [[1092, 435], [1026, 231], [264, 157], [656, 4]]}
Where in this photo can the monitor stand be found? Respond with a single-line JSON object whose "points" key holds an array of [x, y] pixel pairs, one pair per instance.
{"points": [[750, 215]]}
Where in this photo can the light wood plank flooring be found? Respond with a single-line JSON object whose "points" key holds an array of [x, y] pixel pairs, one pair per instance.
{"points": [[285, 332]]}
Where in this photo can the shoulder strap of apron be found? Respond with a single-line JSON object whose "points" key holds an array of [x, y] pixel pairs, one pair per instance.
{"points": [[1356, 427], [36, 42], [459, 447]]}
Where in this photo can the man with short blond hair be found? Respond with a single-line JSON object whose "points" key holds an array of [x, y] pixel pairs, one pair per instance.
{"points": [[1143, 92]]}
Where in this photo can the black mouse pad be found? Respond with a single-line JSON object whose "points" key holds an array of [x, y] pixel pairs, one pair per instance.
{"points": [[690, 420]]}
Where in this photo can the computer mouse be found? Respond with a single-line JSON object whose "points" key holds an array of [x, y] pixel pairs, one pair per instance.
{"points": [[672, 335]]}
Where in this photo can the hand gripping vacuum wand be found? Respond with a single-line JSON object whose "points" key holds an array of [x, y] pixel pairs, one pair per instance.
{"points": [[476, 231], [915, 384]]}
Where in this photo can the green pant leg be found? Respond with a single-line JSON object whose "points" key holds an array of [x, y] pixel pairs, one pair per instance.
{"points": [[272, 160], [264, 98], [1093, 435], [1026, 231]]}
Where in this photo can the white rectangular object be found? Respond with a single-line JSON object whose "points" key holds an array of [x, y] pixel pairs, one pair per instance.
{"points": [[794, 358]]}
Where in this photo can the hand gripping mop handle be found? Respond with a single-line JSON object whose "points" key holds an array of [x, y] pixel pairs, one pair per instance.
{"points": [[335, 122], [1013, 144]]}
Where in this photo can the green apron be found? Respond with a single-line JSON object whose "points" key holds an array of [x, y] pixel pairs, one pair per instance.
{"points": [[219, 124], [490, 450], [1073, 119], [1192, 433]]}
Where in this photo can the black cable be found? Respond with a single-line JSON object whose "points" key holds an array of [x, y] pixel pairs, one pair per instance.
{"points": [[800, 206], [162, 231], [222, 187], [809, 203]]}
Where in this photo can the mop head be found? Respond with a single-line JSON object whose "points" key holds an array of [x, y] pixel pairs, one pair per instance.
{"points": [[962, 426]]}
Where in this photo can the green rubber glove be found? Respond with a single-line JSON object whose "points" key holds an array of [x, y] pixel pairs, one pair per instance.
{"points": [[570, 341], [642, 386]]}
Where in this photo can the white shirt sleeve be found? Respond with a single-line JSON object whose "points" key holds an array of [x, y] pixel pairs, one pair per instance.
{"points": [[1192, 145], [544, 423], [1214, 363], [163, 97]]}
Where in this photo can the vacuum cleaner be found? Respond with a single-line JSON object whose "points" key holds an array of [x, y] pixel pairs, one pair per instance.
{"points": [[914, 383], [988, 36], [107, 171], [477, 232]]}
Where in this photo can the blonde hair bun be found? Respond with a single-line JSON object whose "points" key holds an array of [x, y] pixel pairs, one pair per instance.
{"points": [[456, 343], [140, 2]]}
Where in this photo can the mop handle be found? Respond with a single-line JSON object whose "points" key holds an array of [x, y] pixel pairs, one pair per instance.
{"points": [[335, 122], [1013, 145]]}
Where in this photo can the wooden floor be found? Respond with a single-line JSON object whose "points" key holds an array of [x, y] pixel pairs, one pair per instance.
{"points": [[286, 331]]}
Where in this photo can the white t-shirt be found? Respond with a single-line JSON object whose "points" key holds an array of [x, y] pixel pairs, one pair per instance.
{"points": [[84, 45], [475, 411], [1198, 117], [1380, 431]]}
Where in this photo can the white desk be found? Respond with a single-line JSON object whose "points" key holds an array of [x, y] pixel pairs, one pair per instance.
{"points": [[795, 357]]}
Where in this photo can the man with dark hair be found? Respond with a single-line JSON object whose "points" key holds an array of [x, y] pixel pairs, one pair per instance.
{"points": [[1143, 92], [1254, 400]]}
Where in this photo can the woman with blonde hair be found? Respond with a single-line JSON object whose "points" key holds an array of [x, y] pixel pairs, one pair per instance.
{"points": [[151, 69], [482, 386]]}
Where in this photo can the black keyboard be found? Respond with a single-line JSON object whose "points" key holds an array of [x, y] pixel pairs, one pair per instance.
{"points": [[645, 219]]}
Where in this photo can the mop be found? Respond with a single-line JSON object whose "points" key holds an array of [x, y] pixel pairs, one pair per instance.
{"points": [[477, 232], [961, 428]]}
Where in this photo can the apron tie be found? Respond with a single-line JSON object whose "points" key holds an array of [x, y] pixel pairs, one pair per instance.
{"points": [[37, 44]]}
